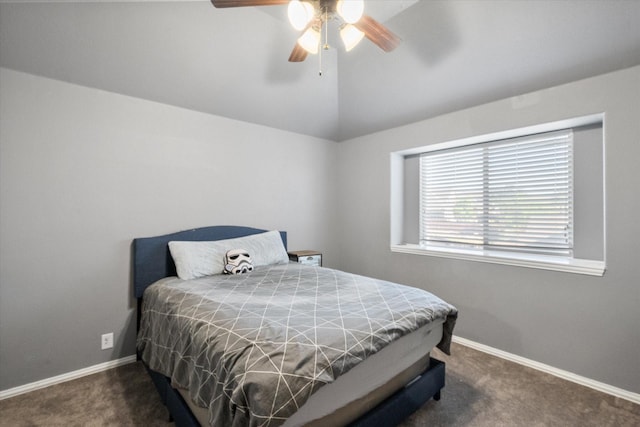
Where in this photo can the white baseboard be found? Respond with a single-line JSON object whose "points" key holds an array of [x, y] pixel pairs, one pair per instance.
{"points": [[5, 394], [566, 375]]}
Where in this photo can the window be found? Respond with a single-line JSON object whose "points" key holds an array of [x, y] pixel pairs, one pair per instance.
{"points": [[531, 197], [515, 194]]}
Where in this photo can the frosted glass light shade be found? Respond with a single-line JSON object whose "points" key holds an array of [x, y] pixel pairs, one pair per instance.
{"points": [[310, 40], [300, 13], [350, 36], [350, 10]]}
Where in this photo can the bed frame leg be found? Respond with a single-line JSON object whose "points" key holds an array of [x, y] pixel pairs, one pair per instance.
{"points": [[436, 396]]}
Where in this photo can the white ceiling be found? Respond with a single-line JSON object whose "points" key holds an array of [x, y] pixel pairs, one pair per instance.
{"points": [[233, 62]]}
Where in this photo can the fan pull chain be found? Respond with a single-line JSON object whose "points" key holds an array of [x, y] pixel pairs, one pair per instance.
{"points": [[320, 60], [325, 25]]}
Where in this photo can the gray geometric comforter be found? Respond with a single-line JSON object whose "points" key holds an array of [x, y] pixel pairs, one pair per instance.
{"points": [[252, 348]]}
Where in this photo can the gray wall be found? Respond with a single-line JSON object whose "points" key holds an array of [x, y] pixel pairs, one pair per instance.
{"points": [[582, 324], [83, 172]]}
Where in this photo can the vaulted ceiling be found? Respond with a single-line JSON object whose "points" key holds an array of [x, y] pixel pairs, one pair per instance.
{"points": [[233, 62]]}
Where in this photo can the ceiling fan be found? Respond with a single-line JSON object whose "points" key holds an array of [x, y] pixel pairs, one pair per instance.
{"points": [[311, 16]]}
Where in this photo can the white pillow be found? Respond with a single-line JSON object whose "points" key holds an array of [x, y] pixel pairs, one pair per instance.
{"points": [[197, 259]]}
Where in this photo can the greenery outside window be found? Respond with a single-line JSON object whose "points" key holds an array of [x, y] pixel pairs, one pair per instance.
{"points": [[515, 195]]}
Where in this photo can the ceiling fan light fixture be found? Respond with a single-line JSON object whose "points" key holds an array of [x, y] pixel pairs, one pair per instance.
{"points": [[350, 36], [350, 10], [300, 14], [310, 40]]}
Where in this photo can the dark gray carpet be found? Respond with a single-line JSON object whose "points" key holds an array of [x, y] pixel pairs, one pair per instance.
{"points": [[481, 390]]}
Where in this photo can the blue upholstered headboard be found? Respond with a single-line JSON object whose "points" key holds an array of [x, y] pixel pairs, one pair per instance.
{"points": [[152, 260]]}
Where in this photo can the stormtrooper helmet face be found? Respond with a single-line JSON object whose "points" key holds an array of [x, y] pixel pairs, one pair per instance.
{"points": [[237, 261]]}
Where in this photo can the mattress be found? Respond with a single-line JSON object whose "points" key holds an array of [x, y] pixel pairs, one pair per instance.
{"points": [[255, 348], [363, 387]]}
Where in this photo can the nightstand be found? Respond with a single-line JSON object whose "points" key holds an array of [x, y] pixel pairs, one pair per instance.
{"points": [[306, 257]]}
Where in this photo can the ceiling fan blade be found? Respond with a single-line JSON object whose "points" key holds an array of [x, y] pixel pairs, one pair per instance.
{"points": [[298, 54], [241, 3], [378, 33]]}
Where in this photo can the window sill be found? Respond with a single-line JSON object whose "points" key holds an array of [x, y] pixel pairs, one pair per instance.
{"points": [[568, 265]]}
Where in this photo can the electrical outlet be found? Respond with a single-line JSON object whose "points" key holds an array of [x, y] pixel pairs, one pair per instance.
{"points": [[107, 341]]}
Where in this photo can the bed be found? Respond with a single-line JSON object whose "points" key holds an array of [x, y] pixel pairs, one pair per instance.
{"points": [[261, 359]]}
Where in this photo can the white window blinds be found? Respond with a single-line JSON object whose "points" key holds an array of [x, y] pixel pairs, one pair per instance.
{"points": [[514, 194]]}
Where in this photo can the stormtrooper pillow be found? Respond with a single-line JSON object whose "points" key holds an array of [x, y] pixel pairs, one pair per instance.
{"points": [[237, 261]]}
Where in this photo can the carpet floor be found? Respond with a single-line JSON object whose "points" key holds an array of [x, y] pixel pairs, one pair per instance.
{"points": [[481, 390]]}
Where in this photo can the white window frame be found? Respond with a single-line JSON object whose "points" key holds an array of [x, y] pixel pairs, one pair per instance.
{"points": [[540, 261]]}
